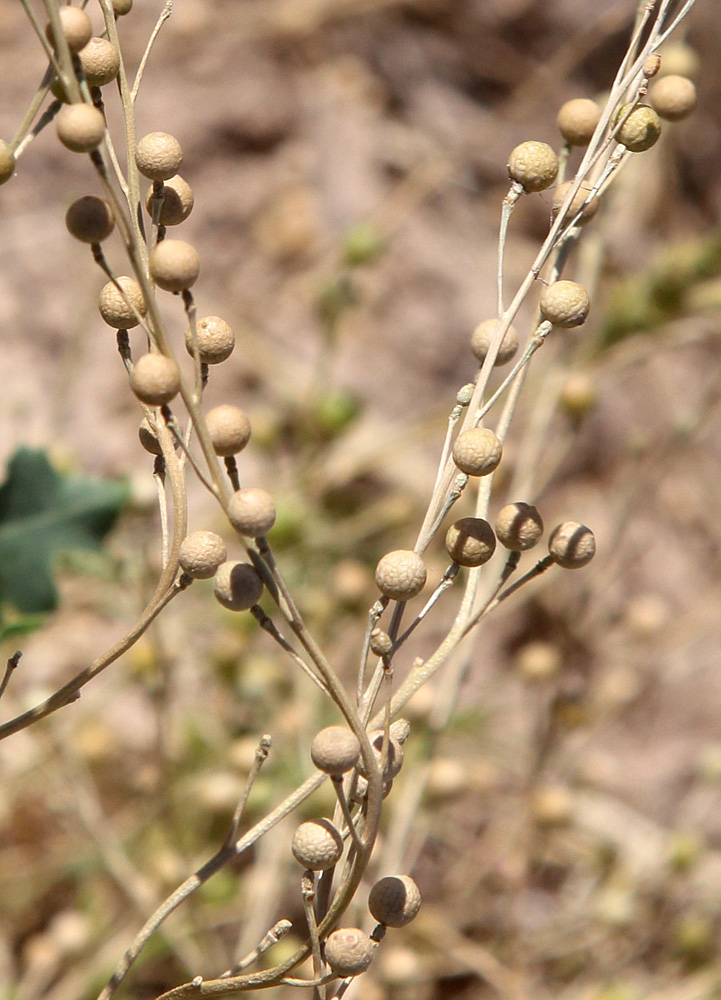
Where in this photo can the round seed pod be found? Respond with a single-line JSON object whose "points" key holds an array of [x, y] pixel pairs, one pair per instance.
{"points": [[348, 951], [115, 310], [158, 156], [518, 526], [335, 750], [572, 545], [80, 127], [229, 429], [252, 512], [481, 341], [651, 65], [577, 120], [584, 192], [477, 451], [76, 27], [201, 553], [317, 845], [177, 204], [174, 265], [641, 129], [381, 643], [470, 541], [673, 97], [121, 7], [237, 586], [578, 394], [7, 162], [678, 59], [565, 304], [400, 574], [90, 219], [148, 438], [155, 379], [100, 62], [216, 340], [533, 165], [361, 789], [394, 900], [394, 760]]}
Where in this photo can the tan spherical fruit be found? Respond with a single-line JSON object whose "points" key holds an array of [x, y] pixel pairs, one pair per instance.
{"points": [[335, 750], [174, 265], [348, 951], [481, 341], [251, 511], [201, 553], [155, 379], [229, 429], [122, 7], [216, 340], [533, 165], [470, 541], [400, 575], [673, 97], [394, 900], [90, 219], [584, 201], [114, 308], [381, 643], [565, 304], [177, 201], [518, 526], [80, 127], [394, 757], [577, 120], [7, 161], [237, 586], [76, 27], [158, 156], [477, 451], [572, 545], [317, 845], [100, 62], [640, 130]]}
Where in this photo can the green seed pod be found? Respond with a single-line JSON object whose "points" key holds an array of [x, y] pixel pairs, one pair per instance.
{"points": [[533, 165], [90, 219], [640, 130]]}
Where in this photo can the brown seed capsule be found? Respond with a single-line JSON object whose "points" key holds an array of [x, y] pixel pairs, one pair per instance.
{"points": [[148, 438], [113, 307], [577, 121], [80, 127], [76, 27], [121, 7], [90, 219], [394, 900], [216, 340], [201, 553], [533, 165], [177, 201], [470, 541], [518, 526], [7, 162], [158, 156], [100, 62], [640, 130], [652, 65], [477, 451], [481, 341], [335, 750], [317, 845], [673, 97], [251, 511], [229, 429], [565, 304], [155, 379], [174, 265], [237, 586], [348, 951], [400, 575], [572, 545], [381, 643], [678, 59], [583, 199]]}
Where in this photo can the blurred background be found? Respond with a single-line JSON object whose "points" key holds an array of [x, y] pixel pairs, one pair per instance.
{"points": [[348, 163]]}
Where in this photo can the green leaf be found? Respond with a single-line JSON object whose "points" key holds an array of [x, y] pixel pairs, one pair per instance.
{"points": [[43, 513]]}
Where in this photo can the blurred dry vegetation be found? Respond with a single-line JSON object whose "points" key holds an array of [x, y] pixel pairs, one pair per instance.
{"points": [[348, 163]]}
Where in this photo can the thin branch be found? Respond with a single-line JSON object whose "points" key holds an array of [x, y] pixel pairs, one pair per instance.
{"points": [[10, 667]]}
